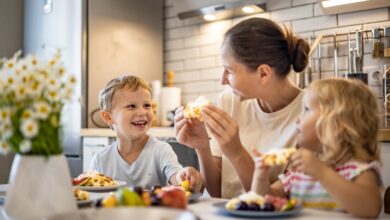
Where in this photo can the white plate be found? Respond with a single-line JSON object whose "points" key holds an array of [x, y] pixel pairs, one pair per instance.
{"points": [[144, 213], [194, 197], [258, 214], [84, 202], [102, 188]]}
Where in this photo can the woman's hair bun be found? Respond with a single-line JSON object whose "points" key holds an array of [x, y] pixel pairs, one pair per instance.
{"points": [[298, 51]]}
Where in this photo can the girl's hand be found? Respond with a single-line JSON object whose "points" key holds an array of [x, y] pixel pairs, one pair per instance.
{"points": [[307, 162], [190, 132], [223, 128], [193, 176], [262, 172]]}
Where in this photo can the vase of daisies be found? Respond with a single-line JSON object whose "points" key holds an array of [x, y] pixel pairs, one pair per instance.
{"points": [[34, 92]]}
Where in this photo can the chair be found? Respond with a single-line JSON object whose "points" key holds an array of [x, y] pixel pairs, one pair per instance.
{"points": [[386, 200]]}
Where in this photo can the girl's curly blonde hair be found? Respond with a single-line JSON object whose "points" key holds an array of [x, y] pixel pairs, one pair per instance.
{"points": [[129, 81], [349, 120]]}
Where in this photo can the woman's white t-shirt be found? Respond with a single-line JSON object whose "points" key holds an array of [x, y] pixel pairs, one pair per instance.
{"points": [[257, 130]]}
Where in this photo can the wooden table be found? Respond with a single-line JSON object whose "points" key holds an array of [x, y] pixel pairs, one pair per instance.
{"points": [[204, 209]]}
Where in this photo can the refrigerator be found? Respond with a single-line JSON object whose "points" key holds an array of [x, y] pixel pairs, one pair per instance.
{"points": [[99, 40]]}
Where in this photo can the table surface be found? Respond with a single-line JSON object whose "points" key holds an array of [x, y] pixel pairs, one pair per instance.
{"points": [[204, 209]]}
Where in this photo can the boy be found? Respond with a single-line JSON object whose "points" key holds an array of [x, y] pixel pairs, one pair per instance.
{"points": [[136, 157]]}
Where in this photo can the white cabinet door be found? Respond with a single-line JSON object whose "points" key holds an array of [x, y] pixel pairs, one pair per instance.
{"points": [[385, 156], [92, 146]]}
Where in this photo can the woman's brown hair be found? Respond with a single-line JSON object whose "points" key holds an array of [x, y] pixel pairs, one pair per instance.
{"points": [[259, 41]]}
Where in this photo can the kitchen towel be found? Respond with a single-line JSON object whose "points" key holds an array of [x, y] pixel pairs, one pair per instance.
{"points": [[170, 99]]}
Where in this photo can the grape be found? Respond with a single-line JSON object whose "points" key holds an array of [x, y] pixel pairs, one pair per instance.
{"points": [[268, 207], [253, 207], [242, 206]]}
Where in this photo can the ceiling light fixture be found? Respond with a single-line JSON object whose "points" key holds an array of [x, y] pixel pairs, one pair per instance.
{"points": [[221, 9], [210, 17], [248, 9]]}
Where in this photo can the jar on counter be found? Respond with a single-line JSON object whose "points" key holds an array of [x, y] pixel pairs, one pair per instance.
{"points": [[386, 39], [377, 41]]}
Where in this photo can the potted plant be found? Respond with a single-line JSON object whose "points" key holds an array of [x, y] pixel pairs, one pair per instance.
{"points": [[33, 94]]}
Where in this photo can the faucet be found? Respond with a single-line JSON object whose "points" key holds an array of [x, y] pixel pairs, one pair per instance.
{"points": [[358, 52]]}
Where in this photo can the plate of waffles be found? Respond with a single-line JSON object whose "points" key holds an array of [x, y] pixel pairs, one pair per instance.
{"points": [[95, 181]]}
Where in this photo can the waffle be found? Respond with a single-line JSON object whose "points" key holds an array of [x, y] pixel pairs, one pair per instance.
{"points": [[193, 109], [278, 157], [93, 178]]}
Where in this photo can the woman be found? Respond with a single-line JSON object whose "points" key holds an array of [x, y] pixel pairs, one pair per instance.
{"points": [[257, 56]]}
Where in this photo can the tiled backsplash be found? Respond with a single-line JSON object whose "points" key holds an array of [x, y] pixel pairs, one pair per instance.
{"points": [[192, 48]]}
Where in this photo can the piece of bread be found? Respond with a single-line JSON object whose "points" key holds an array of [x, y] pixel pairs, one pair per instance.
{"points": [[193, 109], [278, 157], [80, 194]]}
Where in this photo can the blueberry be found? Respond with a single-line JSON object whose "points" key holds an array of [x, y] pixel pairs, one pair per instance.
{"points": [[98, 203], [253, 207], [242, 206], [156, 201], [268, 207]]}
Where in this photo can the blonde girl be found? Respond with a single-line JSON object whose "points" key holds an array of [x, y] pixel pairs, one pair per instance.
{"points": [[337, 165]]}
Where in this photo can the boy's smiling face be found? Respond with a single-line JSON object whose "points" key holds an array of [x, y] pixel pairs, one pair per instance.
{"points": [[131, 113]]}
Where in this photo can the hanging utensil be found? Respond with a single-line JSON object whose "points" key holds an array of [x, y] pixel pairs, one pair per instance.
{"points": [[335, 56]]}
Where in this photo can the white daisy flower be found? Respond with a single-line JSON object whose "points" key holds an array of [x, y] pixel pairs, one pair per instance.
{"points": [[25, 146], [42, 110], [6, 129], [29, 128], [27, 114], [4, 147], [53, 95]]}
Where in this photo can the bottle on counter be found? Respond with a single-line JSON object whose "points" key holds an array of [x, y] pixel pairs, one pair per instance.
{"points": [[386, 39], [377, 41]]}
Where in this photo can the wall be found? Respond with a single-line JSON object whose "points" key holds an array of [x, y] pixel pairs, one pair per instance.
{"points": [[11, 40], [192, 49], [124, 37]]}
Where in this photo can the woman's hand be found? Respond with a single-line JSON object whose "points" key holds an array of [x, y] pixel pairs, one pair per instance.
{"points": [[190, 132], [223, 128], [193, 176], [307, 162]]}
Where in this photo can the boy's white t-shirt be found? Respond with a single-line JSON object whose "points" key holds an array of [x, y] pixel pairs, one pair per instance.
{"points": [[257, 130], [154, 166]]}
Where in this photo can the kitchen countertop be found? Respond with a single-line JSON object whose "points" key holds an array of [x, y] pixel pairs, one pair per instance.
{"points": [[106, 132], [384, 133]]}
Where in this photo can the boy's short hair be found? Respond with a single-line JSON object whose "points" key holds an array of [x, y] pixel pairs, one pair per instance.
{"points": [[129, 81]]}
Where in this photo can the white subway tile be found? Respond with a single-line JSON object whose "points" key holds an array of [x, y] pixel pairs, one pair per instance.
{"points": [[340, 30], [381, 105], [170, 12], [174, 44], [315, 23], [175, 66], [376, 25], [189, 76], [168, 3], [212, 73], [374, 15], [302, 2], [181, 32], [258, 15], [305, 11], [210, 50], [200, 63], [174, 22], [201, 86], [182, 54], [278, 4], [317, 10], [203, 40], [218, 26]]}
